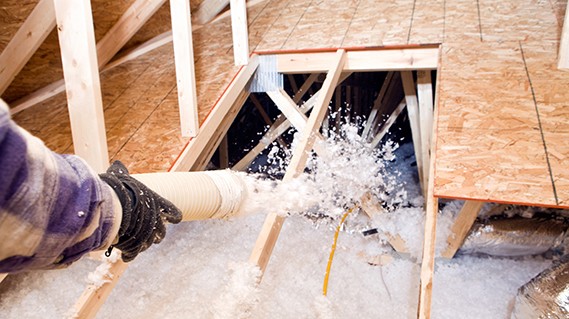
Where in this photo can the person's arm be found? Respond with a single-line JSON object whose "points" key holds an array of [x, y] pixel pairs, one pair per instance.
{"points": [[53, 208]]}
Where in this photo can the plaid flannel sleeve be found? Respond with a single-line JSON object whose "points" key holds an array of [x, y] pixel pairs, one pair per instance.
{"points": [[53, 208]]}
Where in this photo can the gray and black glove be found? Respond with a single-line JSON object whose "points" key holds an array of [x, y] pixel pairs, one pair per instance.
{"points": [[144, 212]]}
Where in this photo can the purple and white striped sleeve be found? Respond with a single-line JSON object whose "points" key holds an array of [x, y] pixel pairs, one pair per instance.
{"points": [[53, 208]]}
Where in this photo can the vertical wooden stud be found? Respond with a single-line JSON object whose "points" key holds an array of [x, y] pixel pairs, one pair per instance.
{"points": [[425, 97], [82, 83], [414, 121], [240, 32], [185, 72]]}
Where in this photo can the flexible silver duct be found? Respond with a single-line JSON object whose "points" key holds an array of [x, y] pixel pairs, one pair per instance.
{"points": [[545, 296], [514, 237]]}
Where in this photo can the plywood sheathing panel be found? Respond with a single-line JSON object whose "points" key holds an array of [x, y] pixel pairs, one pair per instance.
{"points": [[428, 22], [518, 20], [462, 23], [552, 100], [490, 146], [320, 18], [378, 23], [289, 15]]}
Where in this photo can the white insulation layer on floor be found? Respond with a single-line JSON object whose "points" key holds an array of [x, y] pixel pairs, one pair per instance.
{"points": [[200, 269]]}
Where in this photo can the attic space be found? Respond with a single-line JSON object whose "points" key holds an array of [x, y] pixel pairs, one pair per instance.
{"points": [[331, 159]]}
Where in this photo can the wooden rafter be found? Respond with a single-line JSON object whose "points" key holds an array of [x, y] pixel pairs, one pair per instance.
{"points": [[461, 226], [127, 25], [273, 223], [84, 100], [185, 72], [209, 9], [26, 41], [192, 151]]}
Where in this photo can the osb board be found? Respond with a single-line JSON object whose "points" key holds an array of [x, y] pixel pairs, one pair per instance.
{"points": [[490, 145], [552, 99], [427, 25], [518, 20]]}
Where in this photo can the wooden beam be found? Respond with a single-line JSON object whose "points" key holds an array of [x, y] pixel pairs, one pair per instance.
{"points": [[84, 100], [93, 297], [376, 104], [214, 141], [563, 57], [190, 154], [293, 114], [361, 61], [425, 98], [125, 28], [185, 72], [208, 9], [2, 277], [461, 226], [372, 207], [280, 126], [415, 122], [265, 117], [127, 25], [392, 118], [273, 223], [239, 32], [304, 88], [224, 153], [26, 41]]}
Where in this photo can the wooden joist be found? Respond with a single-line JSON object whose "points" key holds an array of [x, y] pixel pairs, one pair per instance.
{"points": [[372, 207], [185, 72], [273, 223], [26, 41], [80, 70], [239, 32], [212, 123], [93, 297], [361, 61], [461, 226], [414, 121]]}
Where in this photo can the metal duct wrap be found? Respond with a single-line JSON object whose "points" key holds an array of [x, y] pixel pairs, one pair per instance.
{"points": [[545, 296], [514, 237]]}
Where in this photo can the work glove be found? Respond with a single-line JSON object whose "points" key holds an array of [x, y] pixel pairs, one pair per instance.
{"points": [[144, 213]]}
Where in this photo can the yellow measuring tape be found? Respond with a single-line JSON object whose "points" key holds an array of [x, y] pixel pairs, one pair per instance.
{"points": [[327, 276]]}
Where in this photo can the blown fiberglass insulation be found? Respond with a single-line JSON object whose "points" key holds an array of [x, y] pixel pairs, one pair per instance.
{"points": [[200, 269]]}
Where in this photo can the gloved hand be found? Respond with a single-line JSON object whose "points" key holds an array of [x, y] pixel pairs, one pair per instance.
{"points": [[144, 212]]}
